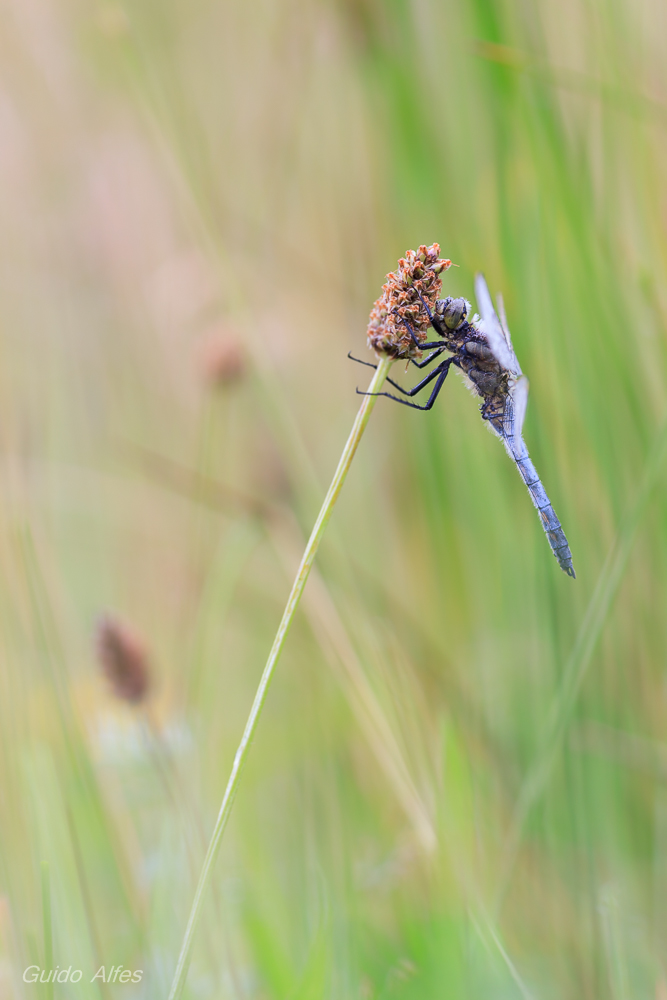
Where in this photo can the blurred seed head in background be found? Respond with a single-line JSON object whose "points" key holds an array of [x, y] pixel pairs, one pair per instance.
{"points": [[221, 358], [123, 659]]}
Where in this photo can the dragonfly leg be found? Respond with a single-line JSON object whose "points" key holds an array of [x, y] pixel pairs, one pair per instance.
{"points": [[389, 380], [359, 361], [417, 364], [427, 361], [426, 307], [485, 411], [434, 320], [439, 374], [418, 343]]}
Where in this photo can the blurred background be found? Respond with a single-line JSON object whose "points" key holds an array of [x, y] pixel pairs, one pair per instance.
{"points": [[458, 788]]}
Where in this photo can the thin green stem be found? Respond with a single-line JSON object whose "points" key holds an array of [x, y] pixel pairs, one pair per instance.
{"points": [[358, 428], [47, 925]]}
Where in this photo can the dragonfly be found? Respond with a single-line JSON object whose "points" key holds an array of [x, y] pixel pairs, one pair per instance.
{"points": [[481, 348]]}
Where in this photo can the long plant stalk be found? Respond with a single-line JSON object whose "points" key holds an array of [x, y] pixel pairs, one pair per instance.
{"points": [[358, 428]]}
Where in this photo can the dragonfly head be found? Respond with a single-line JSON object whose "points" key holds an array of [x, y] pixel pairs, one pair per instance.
{"points": [[452, 312]]}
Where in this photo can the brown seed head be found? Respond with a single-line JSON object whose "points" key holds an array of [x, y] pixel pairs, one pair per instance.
{"points": [[123, 659], [418, 273], [221, 360]]}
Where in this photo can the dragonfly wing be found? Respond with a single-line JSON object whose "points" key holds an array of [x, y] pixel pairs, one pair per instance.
{"points": [[514, 414], [510, 438], [491, 327], [520, 400], [506, 333]]}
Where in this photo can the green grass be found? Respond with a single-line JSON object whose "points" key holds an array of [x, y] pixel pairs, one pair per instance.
{"points": [[184, 166]]}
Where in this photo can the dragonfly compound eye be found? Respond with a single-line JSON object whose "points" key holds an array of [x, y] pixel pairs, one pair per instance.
{"points": [[454, 312]]}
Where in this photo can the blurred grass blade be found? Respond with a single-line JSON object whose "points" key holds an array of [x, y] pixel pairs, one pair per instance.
{"points": [[580, 657], [611, 925], [340, 475], [497, 945], [338, 648]]}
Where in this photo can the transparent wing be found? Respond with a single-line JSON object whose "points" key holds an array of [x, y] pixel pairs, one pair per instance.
{"points": [[520, 400], [506, 332], [514, 413], [491, 327]]}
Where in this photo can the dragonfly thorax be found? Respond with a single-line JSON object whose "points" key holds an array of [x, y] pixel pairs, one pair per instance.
{"points": [[479, 350]]}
